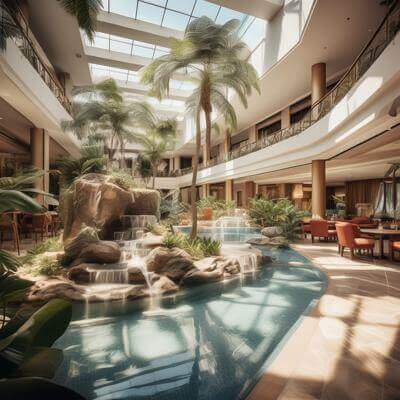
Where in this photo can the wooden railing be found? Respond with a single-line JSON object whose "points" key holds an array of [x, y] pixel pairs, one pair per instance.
{"points": [[28, 49]]}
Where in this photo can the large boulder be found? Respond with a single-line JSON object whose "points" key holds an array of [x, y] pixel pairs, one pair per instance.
{"points": [[198, 277], [102, 252], [164, 285], [95, 201], [173, 263], [86, 247], [272, 231]]}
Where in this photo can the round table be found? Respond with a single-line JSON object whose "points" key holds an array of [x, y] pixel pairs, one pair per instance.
{"points": [[382, 235]]}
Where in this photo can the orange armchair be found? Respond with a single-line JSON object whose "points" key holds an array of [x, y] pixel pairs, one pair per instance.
{"points": [[393, 247], [320, 229], [347, 238]]}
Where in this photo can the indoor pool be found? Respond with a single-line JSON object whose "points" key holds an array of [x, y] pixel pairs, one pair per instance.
{"points": [[225, 234], [212, 344]]}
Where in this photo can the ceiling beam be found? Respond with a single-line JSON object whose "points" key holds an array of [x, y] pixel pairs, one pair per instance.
{"points": [[265, 9]]}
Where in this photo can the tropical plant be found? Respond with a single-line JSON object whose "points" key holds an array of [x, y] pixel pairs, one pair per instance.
{"points": [[156, 141], [197, 247], [122, 179], [92, 160], [143, 168], [85, 12], [212, 55], [101, 110], [171, 207], [26, 336], [219, 207], [282, 213]]}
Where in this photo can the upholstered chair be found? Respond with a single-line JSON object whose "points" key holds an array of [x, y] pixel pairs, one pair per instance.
{"points": [[320, 229], [347, 239]]}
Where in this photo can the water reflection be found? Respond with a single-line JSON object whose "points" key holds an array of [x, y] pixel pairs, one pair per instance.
{"points": [[207, 347]]}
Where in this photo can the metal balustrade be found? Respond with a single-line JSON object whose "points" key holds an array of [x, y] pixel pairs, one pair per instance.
{"points": [[28, 49], [374, 48]]}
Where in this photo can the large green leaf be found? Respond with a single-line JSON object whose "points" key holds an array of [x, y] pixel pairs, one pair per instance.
{"points": [[12, 288], [14, 200], [35, 389], [8, 262], [41, 329]]}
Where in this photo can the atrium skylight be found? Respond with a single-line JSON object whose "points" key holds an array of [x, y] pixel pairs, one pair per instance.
{"points": [[127, 46], [174, 14]]}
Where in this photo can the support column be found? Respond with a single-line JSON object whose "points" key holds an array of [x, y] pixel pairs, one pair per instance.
{"points": [[39, 143], [285, 118], [318, 189], [205, 190], [252, 134], [177, 163], [171, 164], [249, 192], [229, 190], [318, 82]]}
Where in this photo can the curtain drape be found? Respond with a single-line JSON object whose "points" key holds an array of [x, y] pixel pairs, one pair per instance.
{"points": [[365, 191]]}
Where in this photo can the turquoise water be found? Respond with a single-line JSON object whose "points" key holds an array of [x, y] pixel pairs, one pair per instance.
{"points": [[210, 343], [225, 234]]}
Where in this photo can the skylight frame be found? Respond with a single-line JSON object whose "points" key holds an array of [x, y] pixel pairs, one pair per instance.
{"points": [[167, 7]]}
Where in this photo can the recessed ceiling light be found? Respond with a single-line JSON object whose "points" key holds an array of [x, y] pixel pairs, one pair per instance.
{"points": [[348, 19]]}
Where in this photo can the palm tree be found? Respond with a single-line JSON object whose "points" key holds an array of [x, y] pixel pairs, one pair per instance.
{"points": [[212, 55], [156, 141], [85, 12], [101, 110]]}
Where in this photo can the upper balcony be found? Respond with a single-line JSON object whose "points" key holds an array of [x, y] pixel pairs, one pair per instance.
{"points": [[29, 83], [352, 111]]}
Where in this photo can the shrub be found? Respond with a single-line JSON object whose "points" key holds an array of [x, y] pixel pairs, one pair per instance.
{"points": [[282, 213], [219, 207], [45, 265], [49, 245], [122, 179], [198, 247]]}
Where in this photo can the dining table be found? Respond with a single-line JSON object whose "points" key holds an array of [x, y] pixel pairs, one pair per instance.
{"points": [[382, 234]]}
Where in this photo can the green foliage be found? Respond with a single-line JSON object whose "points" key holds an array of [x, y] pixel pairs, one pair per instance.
{"points": [[171, 207], [44, 265], [282, 213], [122, 178], [92, 160], [198, 247], [219, 207], [49, 245], [85, 12], [26, 339]]}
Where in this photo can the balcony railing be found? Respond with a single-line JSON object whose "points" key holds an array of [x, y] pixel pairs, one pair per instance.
{"points": [[28, 49], [374, 48]]}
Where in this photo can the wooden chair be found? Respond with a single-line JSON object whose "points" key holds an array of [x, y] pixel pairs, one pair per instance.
{"points": [[41, 225], [347, 239], [320, 229], [9, 223]]}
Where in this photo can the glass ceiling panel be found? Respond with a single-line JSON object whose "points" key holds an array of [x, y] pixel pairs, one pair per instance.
{"points": [[150, 13], [175, 20], [205, 8], [174, 14], [183, 6], [123, 7]]}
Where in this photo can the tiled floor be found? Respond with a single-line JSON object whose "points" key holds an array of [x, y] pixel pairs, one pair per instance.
{"points": [[349, 347]]}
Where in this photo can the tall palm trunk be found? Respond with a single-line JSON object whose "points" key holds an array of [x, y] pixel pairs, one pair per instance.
{"points": [[193, 232], [154, 173], [122, 151], [207, 153]]}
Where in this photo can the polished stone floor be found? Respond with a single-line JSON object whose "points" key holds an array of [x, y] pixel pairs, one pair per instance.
{"points": [[348, 348]]}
